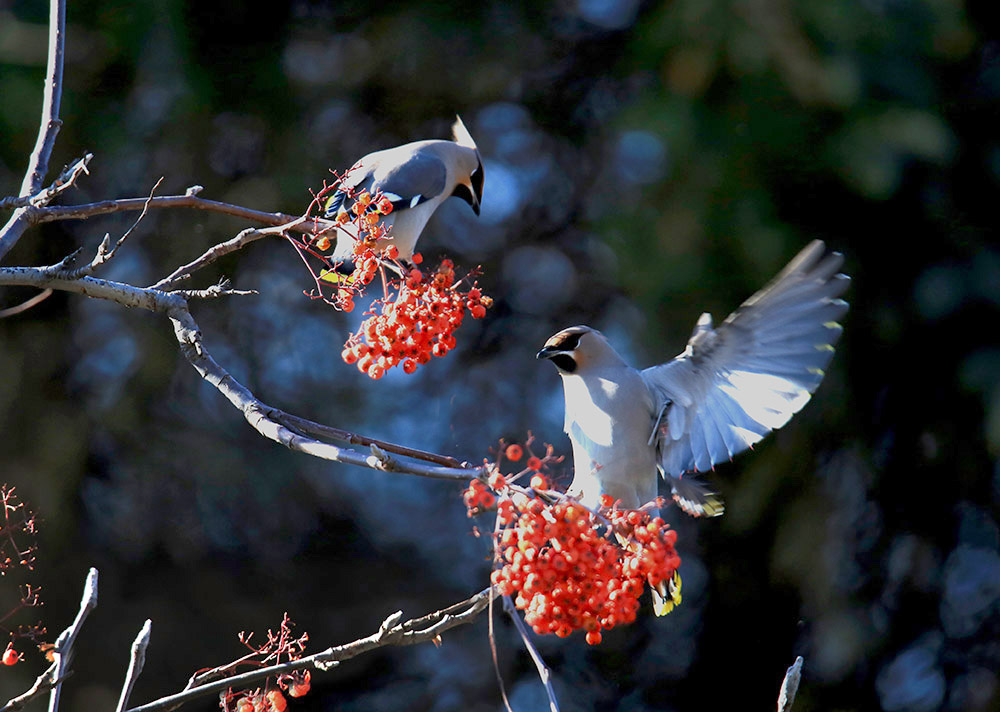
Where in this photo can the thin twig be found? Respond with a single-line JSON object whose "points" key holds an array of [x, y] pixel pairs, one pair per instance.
{"points": [[26, 305], [790, 685], [325, 431], [43, 683], [136, 661], [104, 251], [543, 670], [391, 632], [63, 182], [223, 248], [63, 650]]}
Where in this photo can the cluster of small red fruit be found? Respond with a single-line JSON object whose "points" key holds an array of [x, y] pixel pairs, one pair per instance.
{"points": [[272, 700], [570, 568], [419, 323]]}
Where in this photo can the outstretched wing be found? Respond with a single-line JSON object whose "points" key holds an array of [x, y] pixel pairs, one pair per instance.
{"points": [[735, 384]]}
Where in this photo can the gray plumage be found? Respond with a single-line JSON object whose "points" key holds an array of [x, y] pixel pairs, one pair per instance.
{"points": [[416, 177], [727, 390]]}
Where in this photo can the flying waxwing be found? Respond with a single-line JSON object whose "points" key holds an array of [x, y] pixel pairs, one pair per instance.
{"points": [[416, 177], [729, 388]]}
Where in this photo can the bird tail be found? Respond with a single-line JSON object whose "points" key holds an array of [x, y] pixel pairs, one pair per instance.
{"points": [[694, 496], [666, 596]]}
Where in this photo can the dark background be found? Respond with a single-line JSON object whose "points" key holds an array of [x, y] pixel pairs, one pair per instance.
{"points": [[644, 162]]}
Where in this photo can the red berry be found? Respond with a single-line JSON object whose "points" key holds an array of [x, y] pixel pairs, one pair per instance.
{"points": [[10, 656], [539, 482], [276, 701], [533, 463], [593, 637], [298, 689], [417, 258], [514, 452]]}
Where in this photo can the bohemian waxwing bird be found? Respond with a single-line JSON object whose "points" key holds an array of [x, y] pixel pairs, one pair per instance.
{"points": [[416, 177], [729, 388]]}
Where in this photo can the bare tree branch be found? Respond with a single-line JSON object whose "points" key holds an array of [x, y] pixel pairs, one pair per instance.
{"points": [[38, 164], [258, 414], [63, 650], [189, 200], [136, 662], [391, 632], [543, 670], [790, 686]]}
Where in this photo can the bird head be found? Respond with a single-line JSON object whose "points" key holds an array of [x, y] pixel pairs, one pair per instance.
{"points": [[578, 347], [470, 185]]}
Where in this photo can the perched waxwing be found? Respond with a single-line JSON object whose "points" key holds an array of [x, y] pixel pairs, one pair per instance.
{"points": [[416, 178], [729, 388]]}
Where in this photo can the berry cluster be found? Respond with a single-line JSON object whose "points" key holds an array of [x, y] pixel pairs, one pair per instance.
{"points": [[570, 568], [296, 684], [272, 701], [419, 323], [281, 646]]}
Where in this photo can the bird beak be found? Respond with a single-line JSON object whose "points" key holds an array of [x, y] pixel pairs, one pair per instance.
{"points": [[547, 352], [477, 187]]}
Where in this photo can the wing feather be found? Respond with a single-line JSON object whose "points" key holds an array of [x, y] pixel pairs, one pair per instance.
{"points": [[735, 384]]}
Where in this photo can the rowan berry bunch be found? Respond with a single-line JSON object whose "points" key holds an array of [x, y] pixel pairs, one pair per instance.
{"points": [[567, 574], [419, 323], [569, 567], [481, 495], [18, 528], [279, 647], [418, 313]]}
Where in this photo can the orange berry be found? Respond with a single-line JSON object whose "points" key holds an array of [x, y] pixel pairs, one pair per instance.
{"points": [[593, 637], [276, 701], [533, 463], [514, 452], [539, 482], [298, 689], [10, 656], [323, 244], [417, 258]]}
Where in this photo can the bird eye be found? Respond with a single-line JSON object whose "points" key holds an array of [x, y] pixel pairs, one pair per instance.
{"points": [[568, 342]]}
